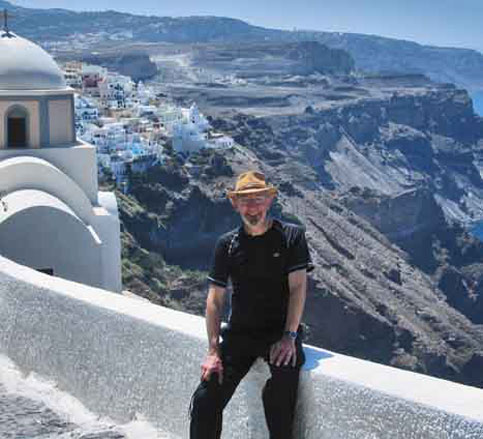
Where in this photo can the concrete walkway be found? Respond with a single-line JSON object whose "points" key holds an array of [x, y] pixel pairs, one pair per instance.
{"points": [[23, 418]]}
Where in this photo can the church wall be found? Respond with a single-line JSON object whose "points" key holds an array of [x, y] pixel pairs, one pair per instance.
{"points": [[44, 237], [107, 225], [77, 161], [61, 130], [20, 172], [124, 357], [32, 107]]}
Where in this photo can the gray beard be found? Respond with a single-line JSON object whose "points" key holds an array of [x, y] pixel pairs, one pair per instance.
{"points": [[252, 220]]}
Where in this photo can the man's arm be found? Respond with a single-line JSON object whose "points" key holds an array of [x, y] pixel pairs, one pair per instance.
{"points": [[297, 282], [214, 309], [284, 351]]}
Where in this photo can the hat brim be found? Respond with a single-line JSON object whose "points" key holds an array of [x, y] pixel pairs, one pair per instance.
{"points": [[270, 190]]}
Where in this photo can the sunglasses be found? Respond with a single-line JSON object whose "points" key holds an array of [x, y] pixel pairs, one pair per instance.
{"points": [[245, 200]]}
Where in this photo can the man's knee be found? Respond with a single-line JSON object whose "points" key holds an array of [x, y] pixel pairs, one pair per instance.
{"points": [[282, 385], [206, 398]]}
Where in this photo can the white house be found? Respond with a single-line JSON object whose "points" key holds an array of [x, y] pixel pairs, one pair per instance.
{"points": [[188, 138], [73, 74], [55, 218], [114, 89], [85, 111], [169, 115], [145, 94], [197, 118], [91, 77]]}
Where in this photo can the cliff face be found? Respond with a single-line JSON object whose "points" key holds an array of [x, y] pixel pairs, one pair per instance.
{"points": [[276, 59], [406, 163], [379, 54], [365, 299], [137, 65], [391, 145]]}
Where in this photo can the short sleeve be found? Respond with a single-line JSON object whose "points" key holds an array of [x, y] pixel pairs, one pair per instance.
{"points": [[298, 256], [219, 267]]}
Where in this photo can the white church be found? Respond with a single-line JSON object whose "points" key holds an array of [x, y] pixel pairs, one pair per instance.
{"points": [[52, 216]]}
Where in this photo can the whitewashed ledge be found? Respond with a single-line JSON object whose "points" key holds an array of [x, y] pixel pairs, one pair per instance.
{"points": [[122, 356]]}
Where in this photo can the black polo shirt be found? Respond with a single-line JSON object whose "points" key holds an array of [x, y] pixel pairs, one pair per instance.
{"points": [[258, 267]]}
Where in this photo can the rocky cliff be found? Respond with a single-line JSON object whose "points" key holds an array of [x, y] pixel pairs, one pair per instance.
{"points": [[136, 65], [275, 59], [366, 297], [406, 162]]}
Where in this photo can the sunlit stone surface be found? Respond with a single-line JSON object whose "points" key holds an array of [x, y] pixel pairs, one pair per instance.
{"points": [[124, 358], [32, 408]]}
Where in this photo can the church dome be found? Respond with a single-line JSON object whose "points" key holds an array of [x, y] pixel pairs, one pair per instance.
{"points": [[26, 66]]}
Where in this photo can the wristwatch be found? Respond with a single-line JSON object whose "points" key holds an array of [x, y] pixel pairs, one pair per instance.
{"points": [[291, 334]]}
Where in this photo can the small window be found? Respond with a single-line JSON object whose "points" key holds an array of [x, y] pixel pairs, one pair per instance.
{"points": [[49, 271], [17, 128]]}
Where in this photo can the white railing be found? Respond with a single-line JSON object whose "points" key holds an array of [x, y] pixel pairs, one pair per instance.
{"points": [[124, 357]]}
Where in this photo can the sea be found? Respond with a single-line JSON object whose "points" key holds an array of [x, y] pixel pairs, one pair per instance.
{"points": [[477, 97], [478, 102], [477, 230]]}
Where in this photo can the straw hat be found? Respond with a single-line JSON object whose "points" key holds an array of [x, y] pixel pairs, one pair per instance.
{"points": [[251, 182]]}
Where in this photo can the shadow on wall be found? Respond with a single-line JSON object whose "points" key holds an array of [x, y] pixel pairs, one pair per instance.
{"points": [[314, 357]]}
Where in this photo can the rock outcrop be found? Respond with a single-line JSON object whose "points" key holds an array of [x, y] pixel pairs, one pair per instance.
{"points": [[366, 298], [274, 59], [136, 65]]}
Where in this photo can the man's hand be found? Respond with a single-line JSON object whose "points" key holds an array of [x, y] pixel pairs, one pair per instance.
{"points": [[212, 364], [283, 352]]}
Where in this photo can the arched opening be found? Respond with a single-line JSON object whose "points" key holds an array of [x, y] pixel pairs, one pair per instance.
{"points": [[17, 124]]}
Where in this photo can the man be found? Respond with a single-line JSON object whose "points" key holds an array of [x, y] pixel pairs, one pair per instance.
{"points": [[267, 262]]}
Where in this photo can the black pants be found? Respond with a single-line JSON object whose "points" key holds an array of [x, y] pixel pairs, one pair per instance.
{"points": [[279, 395]]}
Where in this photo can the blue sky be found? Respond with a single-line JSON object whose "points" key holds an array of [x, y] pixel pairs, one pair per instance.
{"points": [[456, 23]]}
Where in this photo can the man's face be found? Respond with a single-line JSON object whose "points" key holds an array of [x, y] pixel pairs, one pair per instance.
{"points": [[253, 208]]}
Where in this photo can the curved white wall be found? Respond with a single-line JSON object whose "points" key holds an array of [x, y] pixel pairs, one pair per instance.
{"points": [[78, 161], [40, 231], [25, 172], [121, 356]]}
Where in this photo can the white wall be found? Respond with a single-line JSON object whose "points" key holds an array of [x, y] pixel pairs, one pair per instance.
{"points": [[121, 356], [77, 161], [61, 122], [40, 231], [107, 225], [23, 172], [95, 264]]}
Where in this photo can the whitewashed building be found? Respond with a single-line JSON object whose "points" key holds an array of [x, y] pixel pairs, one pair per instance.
{"points": [[114, 90], [73, 74], [188, 138], [220, 141], [196, 118], [145, 94], [169, 115], [85, 110], [91, 77], [55, 218]]}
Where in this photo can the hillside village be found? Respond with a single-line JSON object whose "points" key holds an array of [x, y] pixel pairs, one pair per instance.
{"points": [[132, 124]]}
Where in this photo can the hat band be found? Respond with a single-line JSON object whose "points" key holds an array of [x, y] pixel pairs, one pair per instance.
{"points": [[251, 186]]}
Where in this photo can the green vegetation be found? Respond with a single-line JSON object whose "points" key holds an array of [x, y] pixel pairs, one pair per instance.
{"points": [[145, 272]]}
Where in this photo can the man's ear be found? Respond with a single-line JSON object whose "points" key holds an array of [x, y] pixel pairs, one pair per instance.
{"points": [[233, 202]]}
